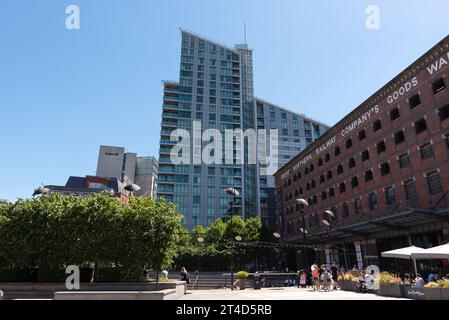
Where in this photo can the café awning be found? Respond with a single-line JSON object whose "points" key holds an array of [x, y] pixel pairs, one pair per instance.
{"points": [[435, 253], [403, 253]]}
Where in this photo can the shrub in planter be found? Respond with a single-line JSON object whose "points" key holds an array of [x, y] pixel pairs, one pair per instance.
{"points": [[242, 275], [349, 282], [109, 275], [390, 285], [444, 287], [432, 291], [48, 275]]}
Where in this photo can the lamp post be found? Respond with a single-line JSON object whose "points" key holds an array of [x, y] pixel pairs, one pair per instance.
{"points": [[302, 204], [234, 193], [132, 188], [328, 223], [277, 235], [40, 191]]}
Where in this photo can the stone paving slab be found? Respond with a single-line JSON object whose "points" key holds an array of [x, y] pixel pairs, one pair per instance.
{"points": [[280, 294]]}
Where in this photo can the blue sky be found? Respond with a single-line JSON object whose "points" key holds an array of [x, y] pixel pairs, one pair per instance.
{"points": [[63, 93]]}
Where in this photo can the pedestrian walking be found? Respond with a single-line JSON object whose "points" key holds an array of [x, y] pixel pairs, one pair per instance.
{"points": [[185, 275], [334, 272]]}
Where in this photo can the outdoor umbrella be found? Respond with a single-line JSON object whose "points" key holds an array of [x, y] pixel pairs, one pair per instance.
{"points": [[435, 253], [403, 253]]}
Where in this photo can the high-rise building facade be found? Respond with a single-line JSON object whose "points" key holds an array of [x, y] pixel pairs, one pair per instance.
{"points": [[216, 91], [127, 167]]}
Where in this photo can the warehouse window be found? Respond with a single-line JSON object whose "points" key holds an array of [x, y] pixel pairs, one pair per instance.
{"points": [[354, 182], [390, 196], [322, 178], [377, 125], [351, 163], [394, 114], [444, 112], [320, 162], [369, 175], [438, 86], [313, 184], [410, 190], [399, 137], [433, 182], [426, 151], [362, 135], [340, 167], [342, 187], [337, 151], [381, 147], [331, 192], [365, 155], [404, 161], [420, 126], [373, 201], [348, 143], [323, 195], [345, 210], [358, 205], [414, 101], [327, 157], [329, 174], [385, 168]]}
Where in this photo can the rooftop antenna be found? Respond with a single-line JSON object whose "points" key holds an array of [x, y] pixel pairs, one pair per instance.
{"points": [[244, 30]]}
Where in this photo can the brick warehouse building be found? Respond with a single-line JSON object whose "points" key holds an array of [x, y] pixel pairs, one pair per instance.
{"points": [[383, 170]]}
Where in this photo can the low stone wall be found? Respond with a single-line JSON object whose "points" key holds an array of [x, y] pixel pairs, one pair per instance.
{"points": [[169, 294], [47, 290]]}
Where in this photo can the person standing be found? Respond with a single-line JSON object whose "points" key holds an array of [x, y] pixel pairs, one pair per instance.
{"points": [[1, 294], [184, 275], [419, 281], [334, 272]]}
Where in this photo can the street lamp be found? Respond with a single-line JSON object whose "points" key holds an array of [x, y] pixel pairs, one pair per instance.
{"points": [[302, 204], [328, 223], [41, 191], [132, 188], [234, 193]]}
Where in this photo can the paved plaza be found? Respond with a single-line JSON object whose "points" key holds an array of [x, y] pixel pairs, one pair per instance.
{"points": [[289, 293]]}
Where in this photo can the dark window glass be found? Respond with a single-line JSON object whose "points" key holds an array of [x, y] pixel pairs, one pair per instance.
{"points": [[399, 137], [369, 175], [313, 184], [337, 151], [433, 181], [342, 187], [348, 143], [420, 126], [327, 157], [331, 192], [390, 196], [394, 114], [404, 161], [345, 210], [351, 163], [329, 175], [358, 205], [340, 169], [354, 182], [322, 178], [385, 168], [410, 190], [426, 151], [323, 195], [377, 125], [381, 147], [311, 168], [438, 86], [320, 162], [365, 155], [414, 101], [362, 135], [373, 201], [444, 112]]}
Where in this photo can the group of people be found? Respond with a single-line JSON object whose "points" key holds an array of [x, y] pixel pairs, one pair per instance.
{"points": [[324, 278], [419, 281]]}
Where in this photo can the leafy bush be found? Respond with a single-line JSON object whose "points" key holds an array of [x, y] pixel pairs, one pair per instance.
{"points": [[349, 277], [387, 278], [444, 283], [432, 285], [242, 274]]}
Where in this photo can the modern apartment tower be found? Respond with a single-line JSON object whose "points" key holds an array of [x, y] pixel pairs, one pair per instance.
{"points": [[216, 89]]}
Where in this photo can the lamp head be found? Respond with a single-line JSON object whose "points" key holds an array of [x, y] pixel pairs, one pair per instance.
{"points": [[303, 202], [232, 192]]}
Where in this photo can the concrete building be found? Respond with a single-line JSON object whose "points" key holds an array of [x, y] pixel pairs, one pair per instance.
{"points": [[383, 170], [114, 162], [85, 186], [216, 89]]}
